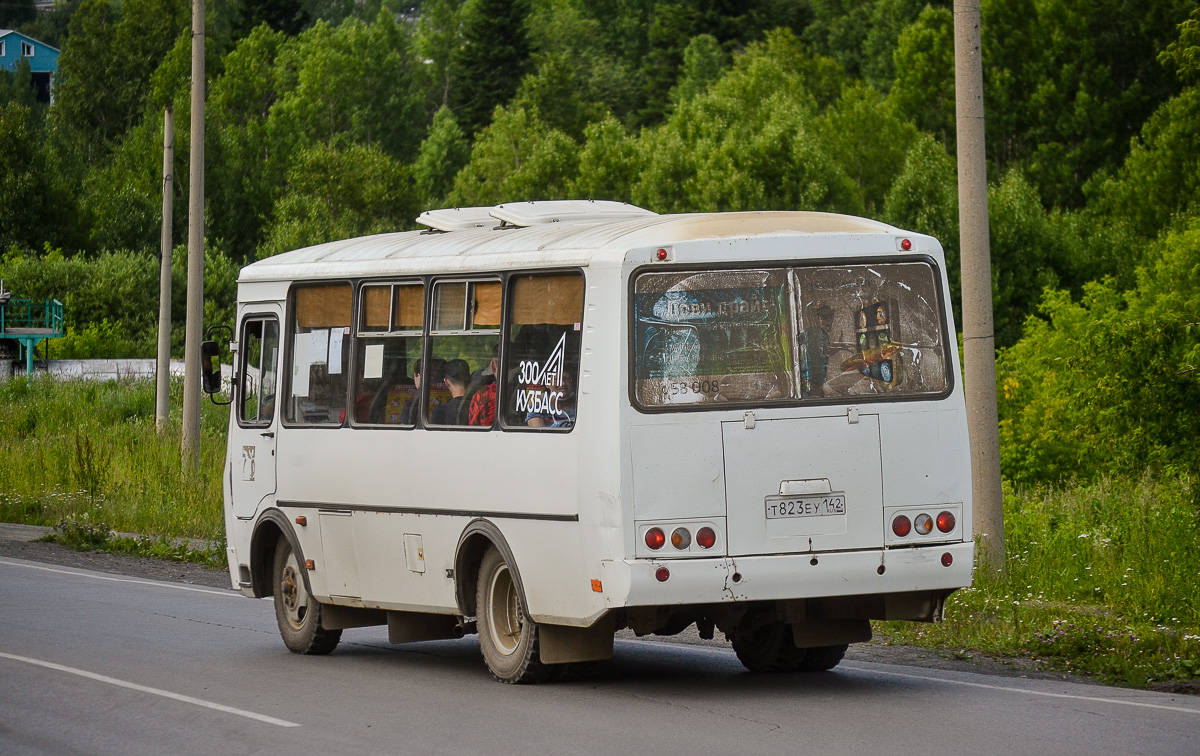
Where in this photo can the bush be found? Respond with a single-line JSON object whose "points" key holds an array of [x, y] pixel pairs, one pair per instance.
{"points": [[1108, 384]]}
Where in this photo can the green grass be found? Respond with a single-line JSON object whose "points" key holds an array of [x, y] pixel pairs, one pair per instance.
{"points": [[1101, 579], [88, 451]]}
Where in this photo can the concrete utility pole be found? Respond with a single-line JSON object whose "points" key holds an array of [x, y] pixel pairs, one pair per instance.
{"points": [[979, 341], [162, 399], [195, 289]]}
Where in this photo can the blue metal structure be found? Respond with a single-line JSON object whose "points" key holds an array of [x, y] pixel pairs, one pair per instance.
{"points": [[29, 323]]}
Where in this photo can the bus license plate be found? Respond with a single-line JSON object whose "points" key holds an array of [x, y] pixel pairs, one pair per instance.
{"points": [[815, 505]]}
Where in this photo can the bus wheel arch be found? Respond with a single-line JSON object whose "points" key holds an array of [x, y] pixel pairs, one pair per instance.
{"points": [[479, 536], [263, 543]]}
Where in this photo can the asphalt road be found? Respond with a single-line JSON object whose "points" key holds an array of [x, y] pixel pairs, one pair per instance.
{"points": [[98, 663]]}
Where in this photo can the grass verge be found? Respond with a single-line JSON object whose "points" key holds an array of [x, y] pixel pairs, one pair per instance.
{"points": [[1102, 579]]}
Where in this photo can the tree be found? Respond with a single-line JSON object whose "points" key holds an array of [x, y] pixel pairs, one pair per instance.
{"points": [[703, 61], [14, 13], [924, 85], [487, 68], [1108, 384], [1101, 81], [30, 204], [924, 198], [1184, 53], [749, 143], [442, 155], [516, 158], [100, 91], [338, 193], [609, 163], [439, 34], [869, 139], [1159, 182]]}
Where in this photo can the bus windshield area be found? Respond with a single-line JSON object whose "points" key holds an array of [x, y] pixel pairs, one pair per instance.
{"points": [[788, 334]]}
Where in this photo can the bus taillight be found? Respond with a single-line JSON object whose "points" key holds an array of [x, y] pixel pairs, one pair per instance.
{"points": [[901, 526], [655, 538], [945, 522], [706, 537], [681, 538], [923, 524]]}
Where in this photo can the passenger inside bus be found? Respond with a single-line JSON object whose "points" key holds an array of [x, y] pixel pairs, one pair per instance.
{"points": [[481, 395], [453, 411], [408, 414]]}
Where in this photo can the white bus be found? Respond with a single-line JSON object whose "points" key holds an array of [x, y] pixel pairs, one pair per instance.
{"points": [[547, 422]]}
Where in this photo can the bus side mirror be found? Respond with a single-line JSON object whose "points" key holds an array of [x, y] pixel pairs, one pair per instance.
{"points": [[210, 365]]}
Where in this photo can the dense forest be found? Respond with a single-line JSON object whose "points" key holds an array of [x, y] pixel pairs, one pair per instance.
{"points": [[334, 118]]}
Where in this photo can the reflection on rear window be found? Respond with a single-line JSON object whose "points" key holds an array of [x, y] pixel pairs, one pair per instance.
{"points": [[783, 334], [712, 337]]}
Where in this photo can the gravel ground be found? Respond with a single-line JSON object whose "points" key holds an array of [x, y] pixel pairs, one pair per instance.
{"points": [[19, 542]]}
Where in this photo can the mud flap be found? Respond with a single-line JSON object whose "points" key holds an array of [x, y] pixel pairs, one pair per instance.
{"points": [[812, 633], [561, 644]]}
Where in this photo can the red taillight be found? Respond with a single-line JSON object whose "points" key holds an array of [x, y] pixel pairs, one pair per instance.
{"points": [[905, 244], [947, 559], [681, 538], [661, 574], [655, 538], [945, 522], [901, 526], [706, 537], [923, 524], [661, 254]]}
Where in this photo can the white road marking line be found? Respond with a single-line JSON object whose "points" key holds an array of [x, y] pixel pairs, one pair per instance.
{"points": [[176, 586], [1010, 689], [928, 678], [155, 691]]}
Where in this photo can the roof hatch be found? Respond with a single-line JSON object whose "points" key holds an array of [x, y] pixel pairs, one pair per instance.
{"points": [[522, 214]]}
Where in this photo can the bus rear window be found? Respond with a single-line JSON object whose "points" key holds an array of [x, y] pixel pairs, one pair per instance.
{"points": [[714, 336], [788, 334]]}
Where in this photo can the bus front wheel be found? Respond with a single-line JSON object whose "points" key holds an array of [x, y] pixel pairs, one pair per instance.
{"points": [[296, 611], [508, 639]]}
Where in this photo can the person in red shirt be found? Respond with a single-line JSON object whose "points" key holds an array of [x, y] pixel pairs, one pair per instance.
{"points": [[482, 410]]}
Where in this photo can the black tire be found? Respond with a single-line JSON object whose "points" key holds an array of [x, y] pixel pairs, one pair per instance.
{"points": [[822, 658], [768, 648], [508, 639], [296, 611]]}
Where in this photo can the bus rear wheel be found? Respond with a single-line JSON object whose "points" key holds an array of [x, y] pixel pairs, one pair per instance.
{"points": [[296, 611], [508, 639], [822, 658], [768, 648]]}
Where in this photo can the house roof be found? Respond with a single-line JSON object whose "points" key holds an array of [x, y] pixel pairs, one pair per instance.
{"points": [[6, 32]]}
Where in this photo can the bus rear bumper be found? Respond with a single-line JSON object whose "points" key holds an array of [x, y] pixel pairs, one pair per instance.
{"points": [[636, 582]]}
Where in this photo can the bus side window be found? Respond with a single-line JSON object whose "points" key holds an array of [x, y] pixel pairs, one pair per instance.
{"points": [[464, 337], [542, 358], [389, 342], [319, 326], [260, 357]]}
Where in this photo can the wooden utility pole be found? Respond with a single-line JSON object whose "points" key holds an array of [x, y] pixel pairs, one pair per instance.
{"points": [[162, 398], [195, 288], [979, 342]]}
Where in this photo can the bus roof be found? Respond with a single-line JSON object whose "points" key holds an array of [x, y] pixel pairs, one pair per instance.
{"points": [[572, 242]]}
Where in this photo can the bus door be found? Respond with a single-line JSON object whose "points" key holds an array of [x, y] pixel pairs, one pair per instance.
{"points": [[252, 437]]}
